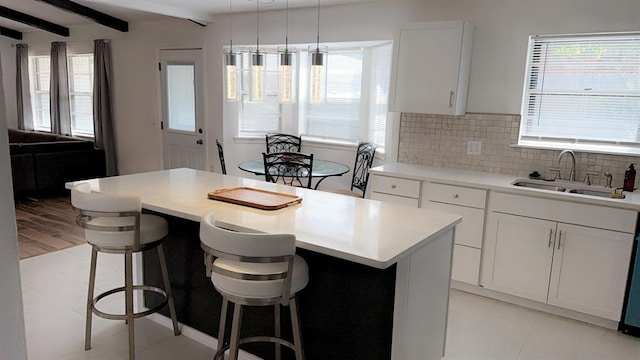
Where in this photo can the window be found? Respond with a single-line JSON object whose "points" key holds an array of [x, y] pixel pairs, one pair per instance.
{"points": [[583, 92], [356, 100], [80, 68]]}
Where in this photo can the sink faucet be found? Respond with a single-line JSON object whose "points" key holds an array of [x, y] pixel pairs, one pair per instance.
{"points": [[572, 174]]}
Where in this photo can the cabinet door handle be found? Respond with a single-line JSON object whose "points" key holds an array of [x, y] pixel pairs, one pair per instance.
{"points": [[559, 239], [550, 237], [451, 99]]}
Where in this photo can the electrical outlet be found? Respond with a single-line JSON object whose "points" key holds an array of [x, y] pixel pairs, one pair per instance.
{"points": [[474, 147]]}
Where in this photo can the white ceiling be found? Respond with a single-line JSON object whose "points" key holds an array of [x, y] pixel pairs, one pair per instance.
{"points": [[142, 10]]}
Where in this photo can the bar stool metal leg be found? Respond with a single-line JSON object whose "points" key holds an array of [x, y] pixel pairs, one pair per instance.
{"points": [[276, 312], [295, 323], [167, 290], [128, 279], [90, 291], [235, 332], [223, 324]]}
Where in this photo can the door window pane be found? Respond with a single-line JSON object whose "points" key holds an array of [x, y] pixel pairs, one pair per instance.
{"points": [[181, 99]]}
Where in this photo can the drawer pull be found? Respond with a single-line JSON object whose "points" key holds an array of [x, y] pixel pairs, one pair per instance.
{"points": [[393, 186], [455, 196]]}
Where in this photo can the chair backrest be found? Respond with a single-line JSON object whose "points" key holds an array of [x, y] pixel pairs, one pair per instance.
{"points": [[221, 156], [283, 143], [364, 159], [244, 247], [108, 220], [289, 168]]}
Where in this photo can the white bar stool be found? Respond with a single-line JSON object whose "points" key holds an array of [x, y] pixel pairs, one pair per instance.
{"points": [[253, 269], [114, 224]]}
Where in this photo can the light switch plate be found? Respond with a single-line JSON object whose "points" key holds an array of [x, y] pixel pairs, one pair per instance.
{"points": [[474, 148]]}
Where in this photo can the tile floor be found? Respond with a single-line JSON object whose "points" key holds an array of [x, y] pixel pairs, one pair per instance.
{"points": [[54, 289]]}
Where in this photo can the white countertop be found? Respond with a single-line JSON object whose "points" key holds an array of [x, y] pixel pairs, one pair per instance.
{"points": [[365, 231], [502, 183]]}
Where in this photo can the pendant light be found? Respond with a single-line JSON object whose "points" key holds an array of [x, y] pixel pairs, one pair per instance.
{"points": [[285, 66], [318, 74], [230, 62], [257, 64]]}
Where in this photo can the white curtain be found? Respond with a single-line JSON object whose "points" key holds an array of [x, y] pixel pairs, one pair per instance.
{"points": [[25, 113], [59, 90]]}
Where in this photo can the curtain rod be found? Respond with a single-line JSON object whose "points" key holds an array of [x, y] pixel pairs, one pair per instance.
{"points": [[68, 42]]}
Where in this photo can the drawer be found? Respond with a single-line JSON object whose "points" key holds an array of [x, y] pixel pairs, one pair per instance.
{"points": [[466, 264], [456, 195], [469, 232], [399, 200], [396, 186]]}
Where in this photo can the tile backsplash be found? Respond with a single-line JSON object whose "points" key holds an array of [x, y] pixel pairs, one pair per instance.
{"points": [[441, 140]]}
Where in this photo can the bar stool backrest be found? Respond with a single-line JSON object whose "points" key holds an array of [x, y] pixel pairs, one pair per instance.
{"points": [[246, 248], [110, 221]]}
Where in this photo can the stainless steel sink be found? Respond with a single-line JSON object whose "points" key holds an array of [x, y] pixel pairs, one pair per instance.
{"points": [[568, 188], [539, 185]]}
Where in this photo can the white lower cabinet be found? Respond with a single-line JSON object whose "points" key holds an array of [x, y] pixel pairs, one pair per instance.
{"points": [[575, 267], [468, 203], [395, 190]]}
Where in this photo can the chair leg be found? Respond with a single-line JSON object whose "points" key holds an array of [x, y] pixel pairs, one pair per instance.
{"points": [[276, 312], [167, 289], [90, 291], [295, 323], [235, 332], [223, 324], [128, 285]]}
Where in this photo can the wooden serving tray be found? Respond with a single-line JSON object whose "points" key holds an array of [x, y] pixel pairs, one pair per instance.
{"points": [[256, 198]]}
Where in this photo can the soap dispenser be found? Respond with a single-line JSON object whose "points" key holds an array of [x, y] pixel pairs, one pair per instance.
{"points": [[629, 178]]}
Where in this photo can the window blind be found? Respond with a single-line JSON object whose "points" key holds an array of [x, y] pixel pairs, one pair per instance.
{"points": [[380, 95], [583, 90], [339, 116]]}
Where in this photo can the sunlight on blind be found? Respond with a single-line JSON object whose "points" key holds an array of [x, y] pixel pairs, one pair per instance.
{"points": [[583, 90], [380, 97]]}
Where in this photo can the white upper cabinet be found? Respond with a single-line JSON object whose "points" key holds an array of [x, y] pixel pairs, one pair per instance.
{"points": [[430, 73]]}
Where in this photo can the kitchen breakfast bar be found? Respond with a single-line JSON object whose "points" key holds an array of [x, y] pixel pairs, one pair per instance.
{"points": [[379, 273]]}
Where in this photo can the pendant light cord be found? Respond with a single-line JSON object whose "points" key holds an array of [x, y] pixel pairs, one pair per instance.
{"points": [[257, 26], [230, 28], [286, 32], [318, 36]]}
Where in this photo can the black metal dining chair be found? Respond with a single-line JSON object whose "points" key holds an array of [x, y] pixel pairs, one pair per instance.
{"points": [[288, 168], [221, 156], [364, 159], [283, 143]]}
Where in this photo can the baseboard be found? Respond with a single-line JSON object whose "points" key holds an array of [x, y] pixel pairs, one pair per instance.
{"points": [[478, 290], [197, 336]]}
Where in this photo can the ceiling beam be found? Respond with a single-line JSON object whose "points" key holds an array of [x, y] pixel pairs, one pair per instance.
{"points": [[14, 34], [95, 15], [11, 14]]}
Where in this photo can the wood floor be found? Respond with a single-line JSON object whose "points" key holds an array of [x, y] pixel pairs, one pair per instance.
{"points": [[45, 225]]}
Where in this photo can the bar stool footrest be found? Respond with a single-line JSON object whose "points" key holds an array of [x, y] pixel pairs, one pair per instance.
{"points": [[136, 315], [219, 355]]}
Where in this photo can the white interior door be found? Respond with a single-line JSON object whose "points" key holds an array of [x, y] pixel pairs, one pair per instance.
{"points": [[182, 109]]}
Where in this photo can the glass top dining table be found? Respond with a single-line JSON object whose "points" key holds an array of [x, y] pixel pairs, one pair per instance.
{"points": [[322, 169]]}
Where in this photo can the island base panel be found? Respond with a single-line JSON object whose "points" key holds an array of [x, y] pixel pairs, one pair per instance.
{"points": [[346, 310]]}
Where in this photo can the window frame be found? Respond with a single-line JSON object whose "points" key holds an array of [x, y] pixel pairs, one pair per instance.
{"points": [[294, 113], [530, 92], [33, 74]]}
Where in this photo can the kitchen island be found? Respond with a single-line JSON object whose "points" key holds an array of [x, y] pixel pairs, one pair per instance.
{"points": [[379, 273]]}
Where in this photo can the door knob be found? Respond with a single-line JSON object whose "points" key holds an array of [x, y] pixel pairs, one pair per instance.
{"points": [[199, 142]]}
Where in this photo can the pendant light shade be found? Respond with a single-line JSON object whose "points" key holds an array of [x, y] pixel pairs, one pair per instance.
{"points": [[257, 64], [285, 67], [285, 74], [231, 75], [257, 76], [318, 73], [230, 65]]}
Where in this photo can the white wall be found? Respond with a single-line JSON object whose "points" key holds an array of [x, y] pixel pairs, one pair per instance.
{"points": [[8, 60], [12, 335], [501, 31]]}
